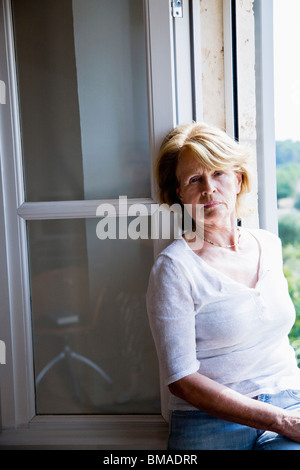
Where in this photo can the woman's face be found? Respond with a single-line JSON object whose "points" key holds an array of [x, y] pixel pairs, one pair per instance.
{"points": [[215, 190]]}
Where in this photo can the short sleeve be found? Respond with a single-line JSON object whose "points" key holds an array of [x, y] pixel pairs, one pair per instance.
{"points": [[171, 315]]}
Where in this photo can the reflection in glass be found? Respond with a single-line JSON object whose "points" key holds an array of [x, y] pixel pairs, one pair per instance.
{"points": [[93, 348], [83, 98]]}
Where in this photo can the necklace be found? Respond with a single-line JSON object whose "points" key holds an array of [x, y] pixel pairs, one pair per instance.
{"points": [[223, 246]]}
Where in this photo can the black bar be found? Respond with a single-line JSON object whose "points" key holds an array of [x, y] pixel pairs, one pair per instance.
{"points": [[234, 70]]}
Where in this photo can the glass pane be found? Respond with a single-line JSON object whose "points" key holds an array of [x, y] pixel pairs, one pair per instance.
{"points": [[83, 98], [287, 118], [93, 349]]}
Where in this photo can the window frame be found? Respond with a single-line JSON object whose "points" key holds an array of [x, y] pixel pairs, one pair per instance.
{"points": [[20, 424], [230, 68], [265, 122]]}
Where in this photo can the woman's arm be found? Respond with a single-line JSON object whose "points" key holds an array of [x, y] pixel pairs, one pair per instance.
{"points": [[222, 402]]}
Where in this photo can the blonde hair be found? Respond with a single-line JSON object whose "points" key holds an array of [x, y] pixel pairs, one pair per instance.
{"points": [[212, 148]]}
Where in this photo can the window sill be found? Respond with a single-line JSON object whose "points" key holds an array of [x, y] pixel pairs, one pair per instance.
{"points": [[88, 433]]}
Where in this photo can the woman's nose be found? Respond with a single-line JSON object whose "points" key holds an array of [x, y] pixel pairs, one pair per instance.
{"points": [[207, 187]]}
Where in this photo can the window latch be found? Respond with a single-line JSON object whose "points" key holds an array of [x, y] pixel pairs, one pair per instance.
{"points": [[177, 10]]}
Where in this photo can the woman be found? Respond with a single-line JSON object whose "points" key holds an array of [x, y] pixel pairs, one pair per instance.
{"points": [[219, 307]]}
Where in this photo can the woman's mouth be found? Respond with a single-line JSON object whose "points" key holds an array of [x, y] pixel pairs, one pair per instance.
{"points": [[210, 204]]}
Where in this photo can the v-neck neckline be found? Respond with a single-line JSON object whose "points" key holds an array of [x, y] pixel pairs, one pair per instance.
{"points": [[226, 276]]}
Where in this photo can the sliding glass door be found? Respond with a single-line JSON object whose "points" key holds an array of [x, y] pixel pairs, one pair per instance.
{"points": [[92, 87]]}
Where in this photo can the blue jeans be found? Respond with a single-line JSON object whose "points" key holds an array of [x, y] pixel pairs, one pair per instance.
{"points": [[196, 430]]}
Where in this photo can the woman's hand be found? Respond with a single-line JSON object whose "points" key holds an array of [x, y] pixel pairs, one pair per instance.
{"points": [[290, 425], [222, 402]]}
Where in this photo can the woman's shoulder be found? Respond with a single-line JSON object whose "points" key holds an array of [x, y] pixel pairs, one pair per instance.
{"points": [[270, 244], [175, 257], [264, 235], [176, 247], [170, 269], [176, 252]]}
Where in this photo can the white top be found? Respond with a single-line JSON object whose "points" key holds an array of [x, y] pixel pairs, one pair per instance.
{"points": [[202, 320]]}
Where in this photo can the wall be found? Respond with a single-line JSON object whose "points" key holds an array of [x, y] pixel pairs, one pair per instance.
{"points": [[213, 81], [213, 62]]}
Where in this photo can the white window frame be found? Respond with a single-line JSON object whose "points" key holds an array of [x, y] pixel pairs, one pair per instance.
{"points": [[171, 66], [265, 122]]}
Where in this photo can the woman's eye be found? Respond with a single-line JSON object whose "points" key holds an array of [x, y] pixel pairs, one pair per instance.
{"points": [[219, 173], [194, 179]]}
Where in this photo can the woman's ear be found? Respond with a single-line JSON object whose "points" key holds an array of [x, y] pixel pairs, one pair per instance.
{"points": [[239, 179], [178, 193]]}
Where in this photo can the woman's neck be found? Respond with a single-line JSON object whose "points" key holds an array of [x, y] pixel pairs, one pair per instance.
{"points": [[224, 235]]}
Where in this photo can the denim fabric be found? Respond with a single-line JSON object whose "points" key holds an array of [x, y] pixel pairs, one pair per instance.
{"points": [[196, 430]]}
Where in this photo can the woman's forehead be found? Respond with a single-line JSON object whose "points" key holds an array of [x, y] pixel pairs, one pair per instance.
{"points": [[189, 161]]}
